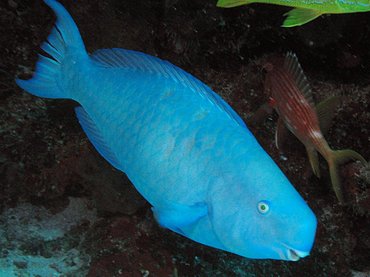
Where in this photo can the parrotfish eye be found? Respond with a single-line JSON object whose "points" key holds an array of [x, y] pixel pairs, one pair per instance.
{"points": [[263, 207]]}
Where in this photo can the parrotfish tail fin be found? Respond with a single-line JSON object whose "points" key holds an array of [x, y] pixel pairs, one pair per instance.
{"points": [[232, 3], [314, 160], [63, 45], [300, 16], [340, 157]]}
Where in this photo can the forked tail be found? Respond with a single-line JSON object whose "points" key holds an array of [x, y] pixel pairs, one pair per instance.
{"points": [[337, 158], [65, 47]]}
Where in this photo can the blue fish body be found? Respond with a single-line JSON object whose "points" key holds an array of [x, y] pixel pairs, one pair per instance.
{"points": [[185, 150]]}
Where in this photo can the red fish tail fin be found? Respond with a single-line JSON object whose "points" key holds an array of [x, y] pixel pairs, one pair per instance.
{"points": [[337, 158]]}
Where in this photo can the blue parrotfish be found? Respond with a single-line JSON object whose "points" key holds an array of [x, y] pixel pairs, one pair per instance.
{"points": [[182, 146]]}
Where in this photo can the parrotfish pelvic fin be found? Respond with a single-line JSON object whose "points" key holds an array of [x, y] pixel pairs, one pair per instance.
{"points": [[300, 16], [336, 158]]}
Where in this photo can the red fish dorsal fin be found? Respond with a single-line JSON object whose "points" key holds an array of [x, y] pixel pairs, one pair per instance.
{"points": [[292, 66]]}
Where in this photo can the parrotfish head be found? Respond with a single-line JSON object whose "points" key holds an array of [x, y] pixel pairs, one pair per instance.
{"points": [[264, 217]]}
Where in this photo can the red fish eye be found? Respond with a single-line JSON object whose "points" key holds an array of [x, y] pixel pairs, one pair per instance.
{"points": [[272, 102]]}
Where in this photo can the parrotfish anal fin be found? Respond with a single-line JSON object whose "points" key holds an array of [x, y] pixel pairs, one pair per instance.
{"points": [[300, 16], [94, 135], [175, 216], [292, 66], [313, 157], [122, 58], [280, 134], [326, 111]]}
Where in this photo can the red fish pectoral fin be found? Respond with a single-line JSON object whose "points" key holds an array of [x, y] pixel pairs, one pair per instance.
{"points": [[280, 134], [299, 16]]}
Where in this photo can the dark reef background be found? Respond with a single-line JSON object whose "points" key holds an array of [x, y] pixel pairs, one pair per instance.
{"points": [[65, 211]]}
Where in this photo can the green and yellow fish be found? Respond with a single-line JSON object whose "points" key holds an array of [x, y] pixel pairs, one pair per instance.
{"points": [[306, 10]]}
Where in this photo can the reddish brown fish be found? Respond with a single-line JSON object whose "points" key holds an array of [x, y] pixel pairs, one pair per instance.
{"points": [[290, 95]]}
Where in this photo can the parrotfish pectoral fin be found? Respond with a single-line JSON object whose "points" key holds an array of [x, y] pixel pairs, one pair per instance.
{"points": [[326, 111], [340, 157], [64, 35], [314, 160], [202, 232], [299, 16], [96, 138], [176, 216], [232, 3]]}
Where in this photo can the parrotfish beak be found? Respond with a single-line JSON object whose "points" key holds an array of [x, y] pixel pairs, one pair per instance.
{"points": [[292, 254], [295, 255]]}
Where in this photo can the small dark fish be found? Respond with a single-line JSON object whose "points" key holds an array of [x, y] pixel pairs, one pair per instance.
{"points": [[291, 96]]}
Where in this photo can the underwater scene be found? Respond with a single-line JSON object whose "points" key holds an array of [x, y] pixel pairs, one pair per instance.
{"points": [[184, 138]]}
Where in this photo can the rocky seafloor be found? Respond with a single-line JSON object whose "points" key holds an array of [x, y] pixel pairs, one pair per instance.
{"points": [[64, 211]]}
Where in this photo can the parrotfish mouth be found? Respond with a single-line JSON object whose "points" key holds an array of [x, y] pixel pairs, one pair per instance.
{"points": [[295, 255], [291, 254]]}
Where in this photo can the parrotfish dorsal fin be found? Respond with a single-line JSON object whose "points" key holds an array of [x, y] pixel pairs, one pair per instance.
{"points": [[122, 58], [96, 138], [292, 66]]}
